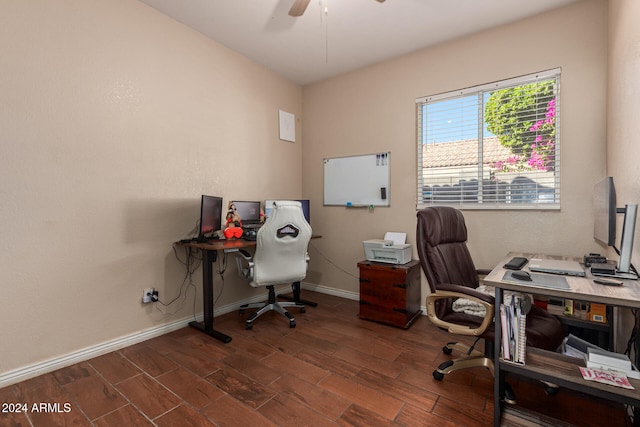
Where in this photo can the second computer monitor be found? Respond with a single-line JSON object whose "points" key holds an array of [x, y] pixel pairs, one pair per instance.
{"points": [[268, 207], [249, 212]]}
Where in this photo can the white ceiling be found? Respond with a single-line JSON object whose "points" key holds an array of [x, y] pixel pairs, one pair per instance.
{"points": [[350, 35]]}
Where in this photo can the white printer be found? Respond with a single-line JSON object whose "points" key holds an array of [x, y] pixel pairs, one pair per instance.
{"points": [[391, 249]]}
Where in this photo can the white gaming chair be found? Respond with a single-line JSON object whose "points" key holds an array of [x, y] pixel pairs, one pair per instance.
{"points": [[280, 257]]}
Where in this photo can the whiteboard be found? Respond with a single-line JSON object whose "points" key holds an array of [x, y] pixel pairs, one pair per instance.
{"points": [[357, 181]]}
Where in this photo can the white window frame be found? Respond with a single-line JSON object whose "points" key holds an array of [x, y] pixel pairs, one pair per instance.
{"points": [[547, 201]]}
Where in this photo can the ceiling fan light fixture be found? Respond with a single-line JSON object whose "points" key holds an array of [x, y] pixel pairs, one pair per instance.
{"points": [[298, 8]]}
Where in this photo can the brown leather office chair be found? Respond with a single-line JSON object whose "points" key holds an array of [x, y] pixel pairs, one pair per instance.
{"points": [[449, 269]]}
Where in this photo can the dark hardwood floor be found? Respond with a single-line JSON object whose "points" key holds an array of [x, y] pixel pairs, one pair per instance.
{"points": [[332, 369]]}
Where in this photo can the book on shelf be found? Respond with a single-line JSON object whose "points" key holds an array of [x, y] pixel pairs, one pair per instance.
{"points": [[513, 320], [615, 378], [599, 357]]}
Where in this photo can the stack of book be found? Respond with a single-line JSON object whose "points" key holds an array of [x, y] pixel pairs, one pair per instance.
{"points": [[598, 358], [513, 321]]}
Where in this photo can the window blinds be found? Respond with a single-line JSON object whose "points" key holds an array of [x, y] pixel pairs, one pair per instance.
{"points": [[491, 146]]}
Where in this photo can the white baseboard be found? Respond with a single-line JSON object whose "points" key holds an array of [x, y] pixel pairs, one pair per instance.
{"points": [[50, 365]]}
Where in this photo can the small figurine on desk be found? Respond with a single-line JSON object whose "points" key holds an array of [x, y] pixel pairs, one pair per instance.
{"points": [[234, 223]]}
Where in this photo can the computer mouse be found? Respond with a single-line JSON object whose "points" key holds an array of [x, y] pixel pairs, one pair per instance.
{"points": [[521, 275]]}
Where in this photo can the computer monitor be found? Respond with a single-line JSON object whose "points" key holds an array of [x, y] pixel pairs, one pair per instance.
{"points": [[210, 217], [306, 208], [605, 225], [249, 212], [604, 210]]}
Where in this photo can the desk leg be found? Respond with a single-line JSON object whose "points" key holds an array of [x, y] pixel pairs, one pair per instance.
{"points": [[295, 288], [210, 257], [498, 379]]}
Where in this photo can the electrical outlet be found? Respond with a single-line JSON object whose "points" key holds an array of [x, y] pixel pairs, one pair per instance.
{"points": [[147, 295]]}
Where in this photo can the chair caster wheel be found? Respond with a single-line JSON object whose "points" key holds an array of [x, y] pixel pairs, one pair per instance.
{"points": [[438, 376], [447, 350], [248, 326], [241, 312], [303, 310], [292, 324]]}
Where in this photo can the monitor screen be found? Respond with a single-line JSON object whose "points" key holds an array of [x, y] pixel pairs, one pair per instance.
{"points": [[248, 211], [306, 209], [210, 216], [604, 211]]}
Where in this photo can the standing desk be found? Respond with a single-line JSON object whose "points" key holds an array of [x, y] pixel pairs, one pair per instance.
{"points": [[210, 255], [554, 367]]}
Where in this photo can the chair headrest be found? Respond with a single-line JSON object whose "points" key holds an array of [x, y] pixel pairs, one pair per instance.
{"points": [[448, 225]]}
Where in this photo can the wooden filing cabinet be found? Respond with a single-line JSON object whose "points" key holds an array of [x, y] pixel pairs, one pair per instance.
{"points": [[390, 293]]}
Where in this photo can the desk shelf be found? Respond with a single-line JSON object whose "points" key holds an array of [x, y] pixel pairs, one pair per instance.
{"points": [[553, 367], [564, 371]]}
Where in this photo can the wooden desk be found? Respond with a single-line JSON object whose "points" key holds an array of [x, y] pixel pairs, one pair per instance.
{"points": [[210, 255], [553, 367]]}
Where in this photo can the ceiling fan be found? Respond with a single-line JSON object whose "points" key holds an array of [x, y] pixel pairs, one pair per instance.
{"points": [[299, 6]]}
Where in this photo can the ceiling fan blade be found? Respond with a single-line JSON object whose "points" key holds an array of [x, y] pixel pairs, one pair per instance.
{"points": [[298, 8]]}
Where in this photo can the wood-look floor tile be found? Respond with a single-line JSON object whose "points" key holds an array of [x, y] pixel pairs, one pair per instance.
{"points": [[190, 387], [332, 365], [229, 412], [398, 389], [95, 395], [148, 395], [363, 359], [207, 345], [303, 339], [357, 416], [72, 373], [410, 416], [323, 401], [328, 362], [46, 389], [123, 417], [251, 346], [461, 414], [183, 416], [364, 396], [241, 387], [149, 360], [290, 412], [12, 417], [287, 364], [114, 367], [252, 368], [379, 348], [196, 360], [456, 386]]}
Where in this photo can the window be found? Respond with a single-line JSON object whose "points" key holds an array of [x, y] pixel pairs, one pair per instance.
{"points": [[493, 146]]}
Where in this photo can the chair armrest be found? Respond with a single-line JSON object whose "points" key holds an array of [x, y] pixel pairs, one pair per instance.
{"points": [[469, 293], [244, 262]]}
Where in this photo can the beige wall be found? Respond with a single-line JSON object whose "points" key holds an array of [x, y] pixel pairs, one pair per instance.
{"points": [[372, 110], [113, 120], [623, 126]]}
